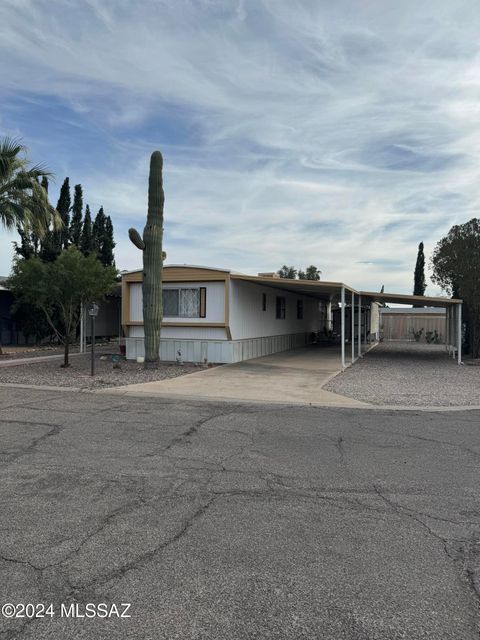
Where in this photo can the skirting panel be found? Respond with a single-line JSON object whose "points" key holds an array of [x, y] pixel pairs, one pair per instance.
{"points": [[258, 347], [217, 351]]}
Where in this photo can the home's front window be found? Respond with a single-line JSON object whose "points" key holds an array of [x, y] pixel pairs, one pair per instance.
{"points": [[189, 303], [280, 308], [170, 303], [181, 303]]}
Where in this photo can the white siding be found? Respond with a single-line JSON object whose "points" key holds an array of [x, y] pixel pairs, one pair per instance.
{"points": [[215, 307], [247, 320]]}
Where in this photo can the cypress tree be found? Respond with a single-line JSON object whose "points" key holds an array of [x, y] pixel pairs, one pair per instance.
{"points": [[99, 230], [106, 251], [63, 208], [25, 248], [86, 239], [76, 222], [419, 276]]}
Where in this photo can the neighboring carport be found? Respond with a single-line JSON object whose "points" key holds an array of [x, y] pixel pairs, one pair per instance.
{"points": [[453, 306]]}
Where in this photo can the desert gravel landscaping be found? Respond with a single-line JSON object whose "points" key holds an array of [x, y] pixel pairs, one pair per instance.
{"points": [[409, 374], [51, 374]]}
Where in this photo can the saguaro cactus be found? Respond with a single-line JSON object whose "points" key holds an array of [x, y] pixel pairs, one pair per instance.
{"points": [[153, 258]]}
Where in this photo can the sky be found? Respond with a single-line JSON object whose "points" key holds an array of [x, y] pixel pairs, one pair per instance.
{"points": [[339, 134]]}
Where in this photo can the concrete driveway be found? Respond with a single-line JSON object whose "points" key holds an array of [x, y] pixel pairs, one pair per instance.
{"points": [[294, 376], [224, 521]]}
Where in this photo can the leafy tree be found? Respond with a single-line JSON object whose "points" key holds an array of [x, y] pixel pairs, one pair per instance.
{"points": [[23, 199], [108, 245], [310, 273], [59, 288], [77, 214], [419, 275], [32, 322], [287, 272], [87, 245], [456, 268]]}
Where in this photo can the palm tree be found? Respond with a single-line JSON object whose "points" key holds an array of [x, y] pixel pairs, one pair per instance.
{"points": [[23, 200]]}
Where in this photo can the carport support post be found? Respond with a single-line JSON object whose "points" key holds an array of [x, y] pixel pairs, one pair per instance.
{"points": [[449, 329], [365, 328], [353, 327], [446, 329], [342, 331], [454, 332], [359, 326], [459, 333], [329, 316]]}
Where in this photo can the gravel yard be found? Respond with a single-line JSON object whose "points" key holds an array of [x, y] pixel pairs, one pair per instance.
{"points": [[50, 373], [409, 374]]}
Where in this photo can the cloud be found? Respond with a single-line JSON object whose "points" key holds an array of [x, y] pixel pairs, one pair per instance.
{"points": [[339, 134]]}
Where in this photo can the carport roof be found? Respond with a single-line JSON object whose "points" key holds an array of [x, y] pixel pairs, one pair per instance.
{"points": [[317, 288], [399, 298], [327, 290]]}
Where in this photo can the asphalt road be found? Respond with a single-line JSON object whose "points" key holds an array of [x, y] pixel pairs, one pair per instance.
{"points": [[226, 522]]}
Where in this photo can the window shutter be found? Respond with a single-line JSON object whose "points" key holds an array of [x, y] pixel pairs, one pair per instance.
{"points": [[203, 302]]}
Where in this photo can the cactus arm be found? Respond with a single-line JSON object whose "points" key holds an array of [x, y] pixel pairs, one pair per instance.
{"points": [[136, 239]]}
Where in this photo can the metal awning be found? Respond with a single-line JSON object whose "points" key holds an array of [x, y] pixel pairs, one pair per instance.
{"points": [[320, 289], [400, 298]]}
